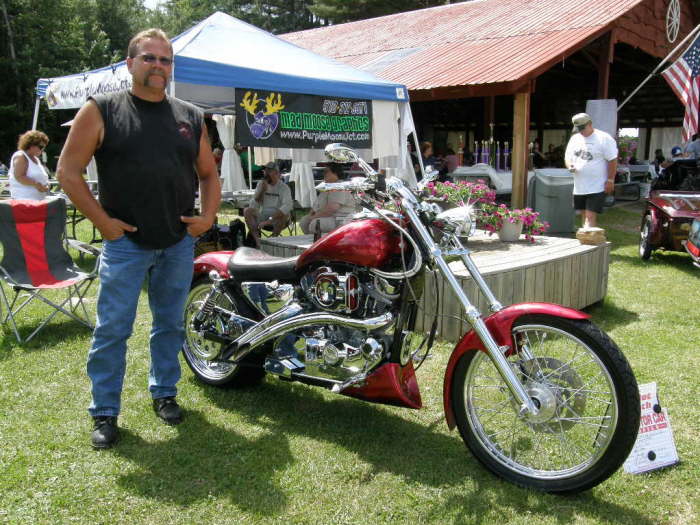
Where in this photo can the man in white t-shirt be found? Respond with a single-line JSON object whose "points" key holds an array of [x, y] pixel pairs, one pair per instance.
{"points": [[591, 156], [271, 204], [692, 149]]}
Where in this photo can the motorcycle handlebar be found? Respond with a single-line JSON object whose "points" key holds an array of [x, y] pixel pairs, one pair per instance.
{"points": [[391, 185], [357, 184]]}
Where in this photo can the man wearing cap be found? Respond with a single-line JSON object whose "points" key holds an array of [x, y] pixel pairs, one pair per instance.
{"points": [[591, 156], [271, 204]]}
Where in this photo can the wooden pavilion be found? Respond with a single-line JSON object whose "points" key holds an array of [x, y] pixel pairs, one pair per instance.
{"points": [[522, 65]]}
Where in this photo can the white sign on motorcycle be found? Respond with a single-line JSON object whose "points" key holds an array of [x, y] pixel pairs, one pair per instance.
{"points": [[655, 447]]}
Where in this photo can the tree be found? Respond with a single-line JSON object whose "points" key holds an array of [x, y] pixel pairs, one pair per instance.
{"points": [[275, 16], [49, 39], [120, 21], [341, 11]]}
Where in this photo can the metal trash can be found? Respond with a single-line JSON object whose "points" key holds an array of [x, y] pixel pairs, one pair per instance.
{"points": [[550, 193]]}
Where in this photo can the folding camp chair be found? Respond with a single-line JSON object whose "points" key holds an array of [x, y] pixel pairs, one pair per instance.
{"points": [[36, 264], [291, 227]]}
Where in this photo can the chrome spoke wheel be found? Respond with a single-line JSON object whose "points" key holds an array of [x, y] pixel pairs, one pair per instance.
{"points": [[197, 349], [575, 395], [587, 400]]}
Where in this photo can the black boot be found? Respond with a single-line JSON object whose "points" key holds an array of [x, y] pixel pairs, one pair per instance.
{"points": [[105, 433], [168, 410]]}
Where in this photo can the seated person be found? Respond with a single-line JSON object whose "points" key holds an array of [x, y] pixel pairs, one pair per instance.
{"points": [[451, 160], [255, 170], [271, 204], [692, 148], [218, 155], [658, 159], [676, 154], [673, 171], [333, 207]]}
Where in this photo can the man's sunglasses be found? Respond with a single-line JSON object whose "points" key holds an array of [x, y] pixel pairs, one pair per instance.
{"points": [[152, 59]]}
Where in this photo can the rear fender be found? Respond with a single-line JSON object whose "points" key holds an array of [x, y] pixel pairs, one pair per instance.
{"points": [[212, 261], [500, 325]]}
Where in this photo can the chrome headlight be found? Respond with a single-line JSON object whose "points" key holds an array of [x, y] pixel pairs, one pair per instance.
{"points": [[460, 220]]}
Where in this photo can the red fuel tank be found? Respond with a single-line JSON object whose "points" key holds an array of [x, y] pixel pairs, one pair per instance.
{"points": [[368, 242]]}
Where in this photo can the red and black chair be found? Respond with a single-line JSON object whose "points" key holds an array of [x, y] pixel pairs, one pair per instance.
{"points": [[36, 263]]}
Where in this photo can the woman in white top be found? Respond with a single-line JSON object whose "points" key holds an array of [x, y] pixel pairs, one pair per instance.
{"points": [[333, 208], [27, 177]]}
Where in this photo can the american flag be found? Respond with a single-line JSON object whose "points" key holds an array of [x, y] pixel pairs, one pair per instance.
{"points": [[683, 76]]}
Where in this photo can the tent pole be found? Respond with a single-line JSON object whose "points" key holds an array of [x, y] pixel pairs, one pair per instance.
{"points": [[415, 144], [36, 112], [250, 168]]}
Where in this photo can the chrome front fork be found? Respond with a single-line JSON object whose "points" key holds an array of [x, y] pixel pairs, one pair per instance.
{"points": [[495, 353]]}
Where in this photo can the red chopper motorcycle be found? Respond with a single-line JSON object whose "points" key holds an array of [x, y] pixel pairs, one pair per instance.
{"points": [[539, 394]]}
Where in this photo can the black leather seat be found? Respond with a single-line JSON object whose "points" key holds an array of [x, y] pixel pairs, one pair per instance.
{"points": [[249, 264]]}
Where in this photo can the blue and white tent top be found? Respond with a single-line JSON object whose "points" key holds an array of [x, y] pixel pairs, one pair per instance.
{"points": [[222, 53]]}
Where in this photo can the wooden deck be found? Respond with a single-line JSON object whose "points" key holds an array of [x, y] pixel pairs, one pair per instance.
{"points": [[552, 269]]}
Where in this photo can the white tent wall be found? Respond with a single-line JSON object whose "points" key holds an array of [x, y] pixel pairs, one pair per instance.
{"points": [[231, 169], [664, 139]]}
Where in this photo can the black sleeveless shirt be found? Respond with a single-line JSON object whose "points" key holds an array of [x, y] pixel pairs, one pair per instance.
{"points": [[145, 165]]}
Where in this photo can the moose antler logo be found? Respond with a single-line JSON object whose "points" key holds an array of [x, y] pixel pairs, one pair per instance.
{"points": [[263, 123]]}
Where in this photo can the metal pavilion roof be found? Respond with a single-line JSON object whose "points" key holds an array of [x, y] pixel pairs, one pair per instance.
{"points": [[493, 42]]}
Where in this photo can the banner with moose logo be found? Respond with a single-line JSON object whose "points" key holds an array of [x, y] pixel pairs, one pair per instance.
{"points": [[276, 119]]}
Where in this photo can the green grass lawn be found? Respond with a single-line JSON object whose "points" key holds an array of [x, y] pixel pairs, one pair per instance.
{"points": [[289, 453]]}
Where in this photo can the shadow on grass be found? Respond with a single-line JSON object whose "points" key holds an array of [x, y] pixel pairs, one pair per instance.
{"points": [[394, 445], [58, 329], [206, 461], [608, 315], [676, 260]]}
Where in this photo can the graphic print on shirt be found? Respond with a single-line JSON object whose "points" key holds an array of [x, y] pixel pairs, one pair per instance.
{"points": [[583, 154], [185, 129]]}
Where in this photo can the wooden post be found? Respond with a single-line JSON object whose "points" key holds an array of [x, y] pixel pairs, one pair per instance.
{"points": [[647, 146], [521, 136], [605, 58]]}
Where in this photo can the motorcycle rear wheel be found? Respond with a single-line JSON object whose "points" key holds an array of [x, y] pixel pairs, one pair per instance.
{"points": [[212, 372], [588, 400], [645, 247]]}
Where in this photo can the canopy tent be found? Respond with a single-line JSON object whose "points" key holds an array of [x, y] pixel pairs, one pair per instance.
{"points": [[222, 54]]}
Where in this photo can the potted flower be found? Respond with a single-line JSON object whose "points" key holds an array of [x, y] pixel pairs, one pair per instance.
{"points": [[510, 223], [462, 193]]}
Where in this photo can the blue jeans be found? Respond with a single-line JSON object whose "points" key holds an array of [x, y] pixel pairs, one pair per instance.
{"points": [[124, 267]]}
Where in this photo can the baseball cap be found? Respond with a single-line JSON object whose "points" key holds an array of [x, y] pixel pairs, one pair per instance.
{"points": [[272, 165], [579, 120], [675, 151]]}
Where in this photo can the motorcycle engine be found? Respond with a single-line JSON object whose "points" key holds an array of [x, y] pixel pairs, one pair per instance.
{"points": [[332, 291], [339, 352], [332, 352], [352, 291]]}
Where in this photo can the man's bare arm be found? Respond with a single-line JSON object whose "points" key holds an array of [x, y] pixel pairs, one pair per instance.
{"points": [[83, 140], [209, 189]]}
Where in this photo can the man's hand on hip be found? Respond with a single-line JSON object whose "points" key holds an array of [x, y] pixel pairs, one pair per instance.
{"points": [[197, 224], [113, 229]]}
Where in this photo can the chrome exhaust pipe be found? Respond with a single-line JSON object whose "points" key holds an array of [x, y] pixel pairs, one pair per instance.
{"points": [[288, 319]]}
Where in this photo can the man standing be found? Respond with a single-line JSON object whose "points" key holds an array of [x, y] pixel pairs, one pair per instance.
{"points": [[271, 204], [591, 156], [149, 148]]}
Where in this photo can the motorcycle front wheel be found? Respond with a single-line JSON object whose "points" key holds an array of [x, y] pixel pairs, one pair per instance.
{"points": [[196, 348], [588, 404]]}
